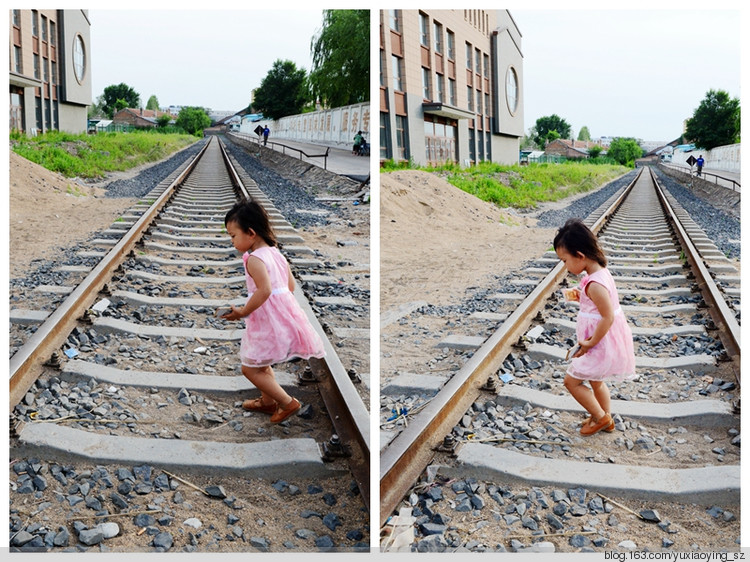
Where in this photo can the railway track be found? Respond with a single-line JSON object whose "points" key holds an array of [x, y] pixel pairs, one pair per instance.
{"points": [[494, 461], [136, 371]]}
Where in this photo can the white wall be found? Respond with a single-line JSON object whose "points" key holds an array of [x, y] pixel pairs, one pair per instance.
{"points": [[333, 127], [720, 158]]}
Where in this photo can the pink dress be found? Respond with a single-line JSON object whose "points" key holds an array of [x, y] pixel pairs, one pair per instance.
{"points": [[278, 330], [613, 357]]}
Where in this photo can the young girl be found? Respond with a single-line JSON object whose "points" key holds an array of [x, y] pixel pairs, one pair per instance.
{"points": [[604, 337], [276, 328]]}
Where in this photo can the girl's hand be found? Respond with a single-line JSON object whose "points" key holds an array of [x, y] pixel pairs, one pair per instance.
{"points": [[236, 314], [584, 346]]}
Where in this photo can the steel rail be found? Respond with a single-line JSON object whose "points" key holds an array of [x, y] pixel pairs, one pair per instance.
{"points": [[347, 411], [27, 361], [721, 314], [410, 452]]}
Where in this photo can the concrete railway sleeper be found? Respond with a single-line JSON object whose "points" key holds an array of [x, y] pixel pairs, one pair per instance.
{"points": [[494, 460], [139, 372]]}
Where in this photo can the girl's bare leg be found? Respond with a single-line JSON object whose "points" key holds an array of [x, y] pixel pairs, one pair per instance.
{"points": [[601, 393], [270, 390], [584, 396]]}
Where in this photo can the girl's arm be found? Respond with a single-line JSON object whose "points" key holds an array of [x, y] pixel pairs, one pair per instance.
{"points": [[257, 270], [291, 278], [600, 296]]}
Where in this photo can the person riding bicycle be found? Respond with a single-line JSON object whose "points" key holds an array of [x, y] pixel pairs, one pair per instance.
{"points": [[359, 140]]}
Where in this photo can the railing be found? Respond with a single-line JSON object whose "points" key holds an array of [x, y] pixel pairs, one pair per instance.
{"points": [[735, 185], [285, 147]]}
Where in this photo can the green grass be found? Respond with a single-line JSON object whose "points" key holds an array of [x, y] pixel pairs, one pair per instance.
{"points": [[522, 187], [92, 156]]}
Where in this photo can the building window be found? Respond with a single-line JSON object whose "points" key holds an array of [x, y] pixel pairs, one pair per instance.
{"points": [[486, 66], [472, 145], [384, 136], [511, 89], [437, 31], [17, 59], [452, 92], [468, 55], [426, 83], [470, 97], [54, 72], [424, 25], [44, 28], [439, 88], [34, 23], [393, 20], [402, 147], [17, 18], [52, 34], [451, 39], [479, 101], [397, 82], [477, 61], [488, 152], [36, 66], [79, 58]]}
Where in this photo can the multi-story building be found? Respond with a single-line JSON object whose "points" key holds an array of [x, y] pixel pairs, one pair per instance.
{"points": [[50, 70], [450, 86]]}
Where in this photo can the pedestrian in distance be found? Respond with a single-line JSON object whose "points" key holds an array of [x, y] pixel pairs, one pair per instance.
{"points": [[604, 338], [276, 328], [266, 131], [359, 140], [699, 163]]}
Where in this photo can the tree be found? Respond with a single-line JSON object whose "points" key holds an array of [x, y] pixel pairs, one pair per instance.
{"points": [[551, 123], [152, 103], [583, 134], [193, 120], [119, 92], [595, 151], [340, 74], [715, 122], [625, 151], [283, 91], [163, 120]]}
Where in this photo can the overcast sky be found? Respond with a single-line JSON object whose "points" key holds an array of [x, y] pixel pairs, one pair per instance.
{"points": [[635, 73], [193, 57]]}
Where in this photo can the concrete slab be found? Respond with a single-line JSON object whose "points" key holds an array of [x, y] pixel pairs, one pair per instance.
{"points": [[702, 413], [461, 342], [412, 383], [391, 316], [137, 298], [114, 325], [183, 279], [54, 289], [213, 384], [569, 326], [319, 279], [337, 301], [28, 317], [352, 333], [281, 458], [489, 316], [696, 363], [710, 485]]}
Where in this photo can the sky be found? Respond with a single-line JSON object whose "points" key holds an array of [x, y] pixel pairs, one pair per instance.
{"points": [[634, 73], [211, 59]]}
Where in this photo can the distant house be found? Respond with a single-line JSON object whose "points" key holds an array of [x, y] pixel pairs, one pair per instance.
{"points": [[139, 118], [571, 148]]}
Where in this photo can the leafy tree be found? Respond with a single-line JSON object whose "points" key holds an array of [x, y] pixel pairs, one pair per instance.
{"points": [[152, 103], [163, 120], [716, 121], [583, 134], [193, 120], [624, 151], [551, 123], [119, 92], [340, 73], [595, 151], [283, 91]]}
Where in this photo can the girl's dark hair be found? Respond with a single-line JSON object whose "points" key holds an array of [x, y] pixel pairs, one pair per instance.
{"points": [[250, 215], [576, 237]]}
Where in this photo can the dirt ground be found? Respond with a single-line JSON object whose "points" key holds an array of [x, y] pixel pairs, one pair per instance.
{"points": [[436, 240]]}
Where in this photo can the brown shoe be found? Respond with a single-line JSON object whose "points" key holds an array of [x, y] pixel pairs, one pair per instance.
{"points": [[608, 429], [283, 413], [595, 426], [257, 405]]}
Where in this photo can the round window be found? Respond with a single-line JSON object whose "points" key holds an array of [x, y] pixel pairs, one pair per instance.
{"points": [[79, 58], [511, 89]]}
